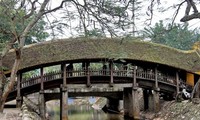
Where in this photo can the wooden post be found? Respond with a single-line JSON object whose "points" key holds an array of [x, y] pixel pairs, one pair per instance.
{"points": [[84, 68], [135, 100], [111, 73], [134, 76], [177, 83], [156, 93], [88, 75], [19, 98], [135, 103], [41, 78], [42, 106], [156, 77], [151, 101], [63, 103], [64, 95], [156, 100], [63, 68]]}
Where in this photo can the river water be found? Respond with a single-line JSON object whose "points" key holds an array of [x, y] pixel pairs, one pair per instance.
{"points": [[81, 111]]}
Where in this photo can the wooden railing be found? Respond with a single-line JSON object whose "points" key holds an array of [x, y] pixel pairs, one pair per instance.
{"points": [[52, 76], [145, 75]]}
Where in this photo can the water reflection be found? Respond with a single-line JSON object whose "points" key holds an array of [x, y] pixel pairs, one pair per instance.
{"points": [[81, 112]]}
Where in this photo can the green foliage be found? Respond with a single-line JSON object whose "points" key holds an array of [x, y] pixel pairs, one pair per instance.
{"points": [[13, 23], [101, 17], [177, 36], [37, 34], [29, 74], [52, 68], [36, 72], [95, 33]]}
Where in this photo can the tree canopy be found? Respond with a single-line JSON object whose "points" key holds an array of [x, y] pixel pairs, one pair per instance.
{"points": [[177, 36]]}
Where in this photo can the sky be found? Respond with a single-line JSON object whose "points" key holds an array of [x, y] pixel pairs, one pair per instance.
{"points": [[168, 15], [157, 16]]}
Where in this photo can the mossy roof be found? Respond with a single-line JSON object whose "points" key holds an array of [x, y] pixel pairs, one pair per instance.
{"points": [[82, 48]]}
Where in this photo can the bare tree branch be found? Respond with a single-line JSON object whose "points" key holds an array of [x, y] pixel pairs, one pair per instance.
{"points": [[21, 5], [103, 21], [32, 22], [57, 8], [151, 10], [51, 27], [195, 15], [176, 12], [33, 8], [82, 18], [190, 17]]}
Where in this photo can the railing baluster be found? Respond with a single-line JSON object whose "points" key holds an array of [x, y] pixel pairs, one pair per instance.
{"points": [[145, 74], [56, 74]]}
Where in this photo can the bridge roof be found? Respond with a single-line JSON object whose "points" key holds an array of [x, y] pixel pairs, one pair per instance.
{"points": [[79, 48]]}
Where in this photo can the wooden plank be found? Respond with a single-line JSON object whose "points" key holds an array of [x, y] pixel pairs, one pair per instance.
{"points": [[177, 82], [88, 74], [64, 74], [156, 77], [134, 76], [41, 78], [111, 73]]}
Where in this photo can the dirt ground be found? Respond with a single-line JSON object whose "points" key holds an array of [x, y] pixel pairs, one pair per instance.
{"points": [[171, 110], [11, 114]]}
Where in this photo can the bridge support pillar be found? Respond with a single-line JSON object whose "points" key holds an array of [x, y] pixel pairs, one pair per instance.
{"points": [[151, 101], [42, 106], [19, 102], [135, 102], [156, 100], [113, 105], [64, 103], [131, 103]]}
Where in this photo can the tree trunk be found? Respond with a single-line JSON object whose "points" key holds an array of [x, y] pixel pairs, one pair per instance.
{"points": [[1, 106], [196, 87], [1, 83], [11, 84]]}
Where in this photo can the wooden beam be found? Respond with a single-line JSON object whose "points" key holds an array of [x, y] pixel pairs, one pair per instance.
{"points": [[177, 82], [64, 74], [42, 105], [19, 98], [134, 76], [156, 77], [88, 74], [41, 78], [63, 103], [135, 104], [156, 93], [111, 73]]}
